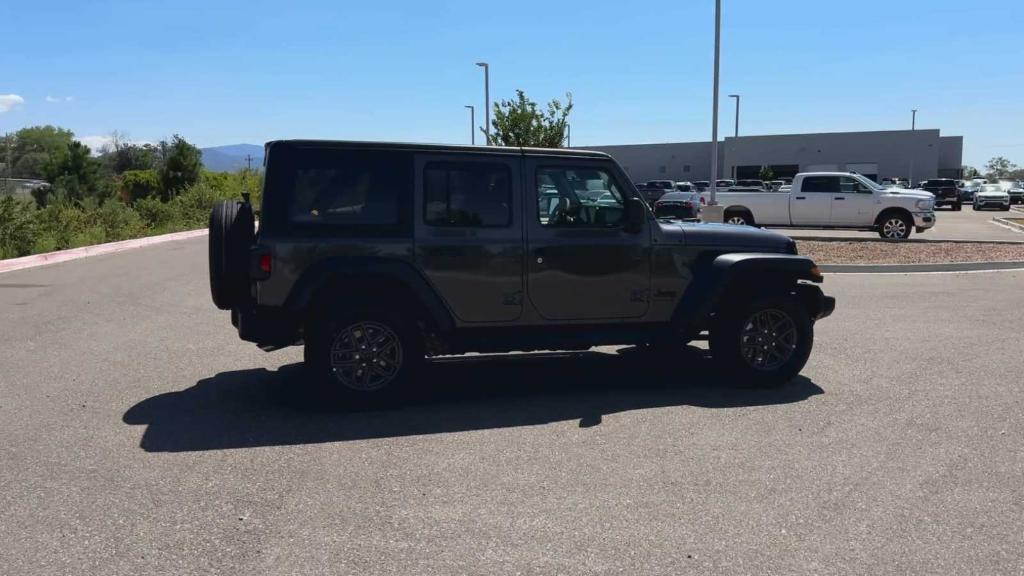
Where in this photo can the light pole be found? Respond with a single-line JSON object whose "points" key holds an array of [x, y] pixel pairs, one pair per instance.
{"points": [[736, 130], [487, 99], [715, 213], [913, 119], [472, 124]]}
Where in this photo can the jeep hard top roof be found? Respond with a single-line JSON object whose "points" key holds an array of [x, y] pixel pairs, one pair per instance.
{"points": [[438, 148]]}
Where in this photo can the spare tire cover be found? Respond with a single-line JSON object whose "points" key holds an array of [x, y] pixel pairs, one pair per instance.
{"points": [[232, 233]]}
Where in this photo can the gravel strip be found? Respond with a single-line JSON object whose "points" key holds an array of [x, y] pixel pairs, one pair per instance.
{"points": [[883, 252]]}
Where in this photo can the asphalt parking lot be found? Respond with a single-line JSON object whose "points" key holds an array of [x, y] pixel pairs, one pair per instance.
{"points": [[142, 437], [949, 225]]}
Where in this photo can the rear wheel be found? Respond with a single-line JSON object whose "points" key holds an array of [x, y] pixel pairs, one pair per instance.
{"points": [[895, 226], [763, 342], [739, 218], [958, 206], [362, 356]]}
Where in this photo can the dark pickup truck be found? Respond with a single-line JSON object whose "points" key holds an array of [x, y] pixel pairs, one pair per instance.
{"points": [[377, 255], [945, 191]]}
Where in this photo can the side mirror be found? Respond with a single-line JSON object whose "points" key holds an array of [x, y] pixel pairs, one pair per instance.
{"points": [[635, 211]]}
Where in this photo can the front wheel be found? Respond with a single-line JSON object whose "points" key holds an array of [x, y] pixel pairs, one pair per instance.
{"points": [[957, 207], [363, 356], [895, 227], [763, 342]]}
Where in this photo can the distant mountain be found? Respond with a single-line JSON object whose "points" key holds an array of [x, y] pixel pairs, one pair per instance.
{"points": [[231, 157]]}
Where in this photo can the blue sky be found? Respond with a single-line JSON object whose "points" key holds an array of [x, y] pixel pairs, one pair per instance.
{"points": [[222, 73]]}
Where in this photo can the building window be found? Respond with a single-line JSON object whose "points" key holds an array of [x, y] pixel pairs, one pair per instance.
{"points": [[686, 168]]}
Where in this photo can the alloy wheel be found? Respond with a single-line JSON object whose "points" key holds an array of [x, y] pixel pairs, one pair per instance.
{"points": [[366, 356], [738, 220], [768, 339], [894, 228]]}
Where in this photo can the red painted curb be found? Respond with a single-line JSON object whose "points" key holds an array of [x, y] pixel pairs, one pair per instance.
{"points": [[108, 248]]}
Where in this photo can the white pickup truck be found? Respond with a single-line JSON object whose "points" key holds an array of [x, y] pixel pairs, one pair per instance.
{"points": [[832, 200]]}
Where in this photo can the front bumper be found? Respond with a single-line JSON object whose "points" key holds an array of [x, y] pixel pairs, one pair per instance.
{"points": [[924, 220], [986, 202], [269, 328]]}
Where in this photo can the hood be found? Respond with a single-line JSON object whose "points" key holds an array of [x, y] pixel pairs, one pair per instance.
{"points": [[997, 193], [726, 236], [919, 194]]}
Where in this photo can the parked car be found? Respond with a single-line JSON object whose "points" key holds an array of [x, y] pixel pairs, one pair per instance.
{"points": [[991, 196], [1016, 192], [751, 184], [945, 192], [701, 185], [834, 200], [967, 190], [684, 187], [376, 256], [896, 181], [724, 183], [777, 184], [679, 205], [654, 189]]}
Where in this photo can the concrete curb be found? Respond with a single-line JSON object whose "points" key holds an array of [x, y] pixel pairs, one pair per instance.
{"points": [[95, 250], [920, 268], [910, 241], [1004, 222]]}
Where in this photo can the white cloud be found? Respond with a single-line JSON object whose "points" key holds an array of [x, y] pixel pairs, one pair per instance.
{"points": [[9, 102], [59, 98], [97, 144]]}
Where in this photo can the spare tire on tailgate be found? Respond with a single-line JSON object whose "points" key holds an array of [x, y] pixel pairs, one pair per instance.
{"points": [[232, 233]]}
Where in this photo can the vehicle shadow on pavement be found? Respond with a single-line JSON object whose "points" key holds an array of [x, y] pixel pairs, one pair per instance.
{"points": [[249, 408]]}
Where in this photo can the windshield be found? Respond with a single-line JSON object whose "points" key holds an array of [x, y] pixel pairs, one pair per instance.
{"points": [[991, 188]]}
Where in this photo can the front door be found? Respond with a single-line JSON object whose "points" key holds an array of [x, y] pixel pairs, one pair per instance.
{"points": [[854, 204], [812, 205], [581, 262], [469, 233]]}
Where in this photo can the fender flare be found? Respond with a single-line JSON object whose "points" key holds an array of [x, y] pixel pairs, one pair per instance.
{"points": [[725, 272], [337, 269]]}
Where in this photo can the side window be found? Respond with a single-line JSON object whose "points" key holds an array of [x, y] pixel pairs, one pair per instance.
{"points": [[346, 192], [827, 184], [853, 185], [578, 197], [467, 195]]}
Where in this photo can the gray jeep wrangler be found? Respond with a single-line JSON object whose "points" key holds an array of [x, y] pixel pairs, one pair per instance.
{"points": [[377, 255]]}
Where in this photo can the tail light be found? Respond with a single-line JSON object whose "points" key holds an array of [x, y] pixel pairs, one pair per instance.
{"points": [[702, 202], [657, 204]]}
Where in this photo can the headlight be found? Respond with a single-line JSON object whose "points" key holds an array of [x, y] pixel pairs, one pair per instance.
{"points": [[924, 204]]}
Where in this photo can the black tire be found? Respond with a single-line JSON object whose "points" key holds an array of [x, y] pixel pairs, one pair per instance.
{"points": [[958, 207], [975, 207], [1005, 208], [232, 233], [335, 335], [895, 226], [738, 217], [733, 340]]}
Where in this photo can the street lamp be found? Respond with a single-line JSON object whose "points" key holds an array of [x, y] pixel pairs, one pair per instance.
{"points": [[487, 99], [736, 130], [715, 213], [472, 124], [913, 119]]}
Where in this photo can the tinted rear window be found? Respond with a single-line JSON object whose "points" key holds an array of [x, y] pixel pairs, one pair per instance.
{"points": [[940, 183], [338, 191], [820, 184], [467, 195]]}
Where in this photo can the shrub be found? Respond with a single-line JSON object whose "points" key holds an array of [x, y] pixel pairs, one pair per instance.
{"points": [[17, 227], [138, 184]]}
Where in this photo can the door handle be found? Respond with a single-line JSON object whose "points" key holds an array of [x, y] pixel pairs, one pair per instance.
{"points": [[839, 198], [800, 198]]}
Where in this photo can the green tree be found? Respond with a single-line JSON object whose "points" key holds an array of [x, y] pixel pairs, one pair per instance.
{"points": [[181, 166], [124, 155], [73, 174], [519, 122], [137, 184], [33, 147], [970, 172], [999, 167], [767, 174]]}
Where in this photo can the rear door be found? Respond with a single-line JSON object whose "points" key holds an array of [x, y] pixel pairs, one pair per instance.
{"points": [[469, 234], [581, 262], [812, 204]]}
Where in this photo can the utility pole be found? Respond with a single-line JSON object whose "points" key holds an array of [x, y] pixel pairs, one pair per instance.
{"points": [[472, 124], [715, 212], [487, 99], [913, 119], [736, 130]]}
